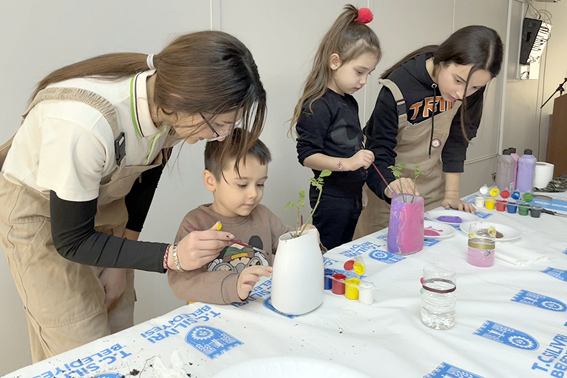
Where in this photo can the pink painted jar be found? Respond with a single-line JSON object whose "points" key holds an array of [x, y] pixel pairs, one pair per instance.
{"points": [[405, 233]]}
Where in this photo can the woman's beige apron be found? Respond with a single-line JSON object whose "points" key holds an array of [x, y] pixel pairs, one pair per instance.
{"points": [[412, 149], [63, 300]]}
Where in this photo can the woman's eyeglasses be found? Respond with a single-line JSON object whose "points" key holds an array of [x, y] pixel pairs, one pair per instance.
{"points": [[215, 133]]}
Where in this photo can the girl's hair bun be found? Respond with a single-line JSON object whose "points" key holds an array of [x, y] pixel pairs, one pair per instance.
{"points": [[364, 15]]}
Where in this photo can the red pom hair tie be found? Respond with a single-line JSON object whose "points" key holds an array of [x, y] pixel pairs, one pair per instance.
{"points": [[364, 15]]}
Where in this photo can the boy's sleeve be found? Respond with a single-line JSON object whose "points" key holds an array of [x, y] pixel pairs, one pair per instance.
{"points": [[201, 285]]}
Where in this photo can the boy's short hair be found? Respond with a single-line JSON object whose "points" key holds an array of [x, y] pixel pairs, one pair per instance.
{"points": [[218, 154]]}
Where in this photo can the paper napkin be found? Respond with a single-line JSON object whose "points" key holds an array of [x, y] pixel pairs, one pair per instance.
{"points": [[517, 255]]}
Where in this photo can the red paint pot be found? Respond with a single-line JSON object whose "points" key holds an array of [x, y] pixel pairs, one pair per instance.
{"points": [[500, 205], [338, 284]]}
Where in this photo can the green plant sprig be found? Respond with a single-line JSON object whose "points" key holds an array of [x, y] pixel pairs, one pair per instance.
{"points": [[318, 184], [397, 171]]}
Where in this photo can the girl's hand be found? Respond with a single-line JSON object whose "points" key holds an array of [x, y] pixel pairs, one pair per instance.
{"points": [[113, 281], [249, 278], [199, 248], [405, 184], [458, 204], [362, 159]]}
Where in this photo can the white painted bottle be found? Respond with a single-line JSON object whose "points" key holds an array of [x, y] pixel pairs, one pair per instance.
{"points": [[505, 171]]}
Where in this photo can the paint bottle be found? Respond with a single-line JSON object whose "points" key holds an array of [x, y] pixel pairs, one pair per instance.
{"points": [[516, 158], [526, 169], [505, 171]]}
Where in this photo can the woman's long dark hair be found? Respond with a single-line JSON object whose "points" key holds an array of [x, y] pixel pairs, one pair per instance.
{"points": [[208, 72], [475, 44]]}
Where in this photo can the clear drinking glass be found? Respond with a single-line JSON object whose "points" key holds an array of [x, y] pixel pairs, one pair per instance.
{"points": [[438, 296]]}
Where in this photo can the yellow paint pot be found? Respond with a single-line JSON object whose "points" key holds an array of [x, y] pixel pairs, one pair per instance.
{"points": [[490, 203], [351, 288]]}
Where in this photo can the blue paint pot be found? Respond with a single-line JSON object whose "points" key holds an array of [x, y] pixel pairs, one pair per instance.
{"points": [[328, 279], [512, 207], [516, 195]]}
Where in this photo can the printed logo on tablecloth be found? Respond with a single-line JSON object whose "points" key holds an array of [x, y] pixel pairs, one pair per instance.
{"points": [[553, 360], [483, 215], [110, 375], [470, 199], [507, 336], [446, 370], [429, 242], [539, 300], [374, 251], [565, 252], [385, 257], [178, 324], [89, 364], [211, 341], [556, 273], [382, 237], [269, 306], [261, 290]]}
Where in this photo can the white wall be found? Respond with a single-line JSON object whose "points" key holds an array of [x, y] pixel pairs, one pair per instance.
{"points": [[282, 35], [526, 125]]}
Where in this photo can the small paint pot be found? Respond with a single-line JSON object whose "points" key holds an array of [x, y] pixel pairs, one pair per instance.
{"points": [[512, 207], [338, 284], [494, 192], [528, 197], [505, 194], [535, 211], [351, 291], [516, 195], [328, 279], [366, 292], [489, 203], [500, 205], [523, 209], [479, 202]]}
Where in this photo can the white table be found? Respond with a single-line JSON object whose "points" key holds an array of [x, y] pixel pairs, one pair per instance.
{"points": [[494, 335]]}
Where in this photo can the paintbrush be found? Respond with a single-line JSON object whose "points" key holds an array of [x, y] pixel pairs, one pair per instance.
{"points": [[235, 242], [380, 173]]}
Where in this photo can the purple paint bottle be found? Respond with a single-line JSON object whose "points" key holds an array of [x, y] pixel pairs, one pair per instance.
{"points": [[526, 169]]}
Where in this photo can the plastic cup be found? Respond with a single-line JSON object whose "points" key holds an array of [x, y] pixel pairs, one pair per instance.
{"points": [[512, 207], [479, 202], [351, 290], [489, 203], [535, 211], [438, 297], [500, 205], [516, 195], [523, 209], [338, 284]]}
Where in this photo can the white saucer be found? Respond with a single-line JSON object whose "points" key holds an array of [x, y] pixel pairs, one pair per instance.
{"points": [[508, 233], [437, 230]]}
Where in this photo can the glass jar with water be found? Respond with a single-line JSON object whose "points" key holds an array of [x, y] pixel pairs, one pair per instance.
{"points": [[438, 296]]}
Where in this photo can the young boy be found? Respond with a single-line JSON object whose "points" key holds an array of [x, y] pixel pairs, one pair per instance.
{"points": [[237, 194]]}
